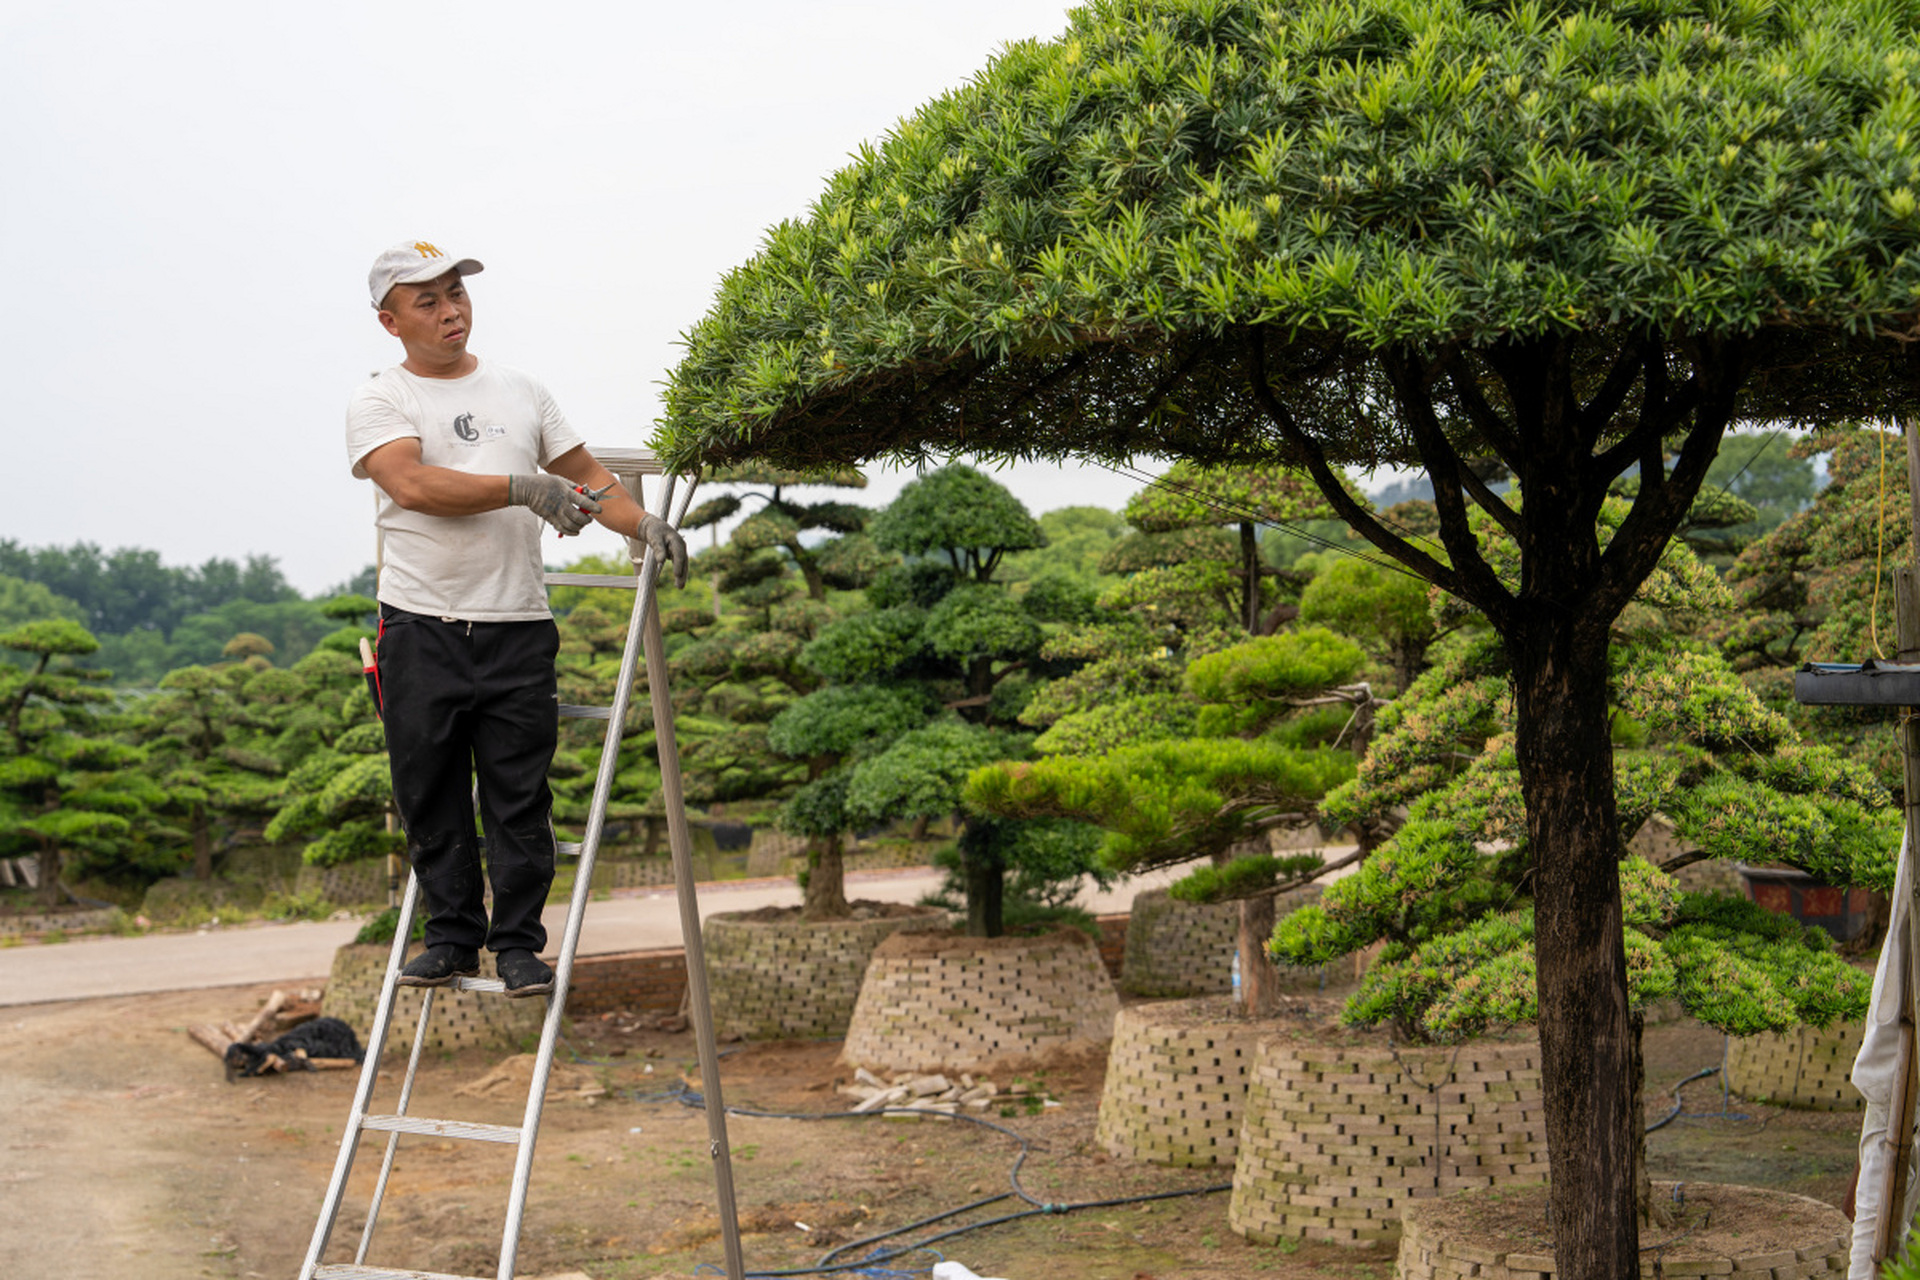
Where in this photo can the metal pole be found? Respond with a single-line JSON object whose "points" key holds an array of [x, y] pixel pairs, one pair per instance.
{"points": [[1900, 1185], [681, 844]]}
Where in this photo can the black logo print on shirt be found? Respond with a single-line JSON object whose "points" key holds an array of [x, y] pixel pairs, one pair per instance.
{"points": [[463, 427]]}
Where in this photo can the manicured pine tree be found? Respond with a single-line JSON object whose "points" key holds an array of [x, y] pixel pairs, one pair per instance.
{"points": [[1575, 239], [339, 793], [203, 739], [66, 785], [1191, 581], [1266, 713], [738, 664], [1239, 500], [1451, 893], [923, 688]]}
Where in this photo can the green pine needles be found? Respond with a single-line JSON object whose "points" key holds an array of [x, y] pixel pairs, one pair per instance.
{"points": [[1450, 893], [1022, 262]]}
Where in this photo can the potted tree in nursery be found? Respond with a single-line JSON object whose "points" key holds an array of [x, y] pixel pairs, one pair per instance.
{"points": [[1448, 902], [1267, 713], [911, 694]]}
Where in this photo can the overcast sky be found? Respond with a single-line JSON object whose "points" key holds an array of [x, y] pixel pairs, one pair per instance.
{"points": [[193, 193]]}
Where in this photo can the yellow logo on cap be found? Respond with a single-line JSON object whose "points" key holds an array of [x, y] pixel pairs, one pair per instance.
{"points": [[426, 250]]}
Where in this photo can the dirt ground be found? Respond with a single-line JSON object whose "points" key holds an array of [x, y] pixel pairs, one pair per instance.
{"points": [[124, 1144]]}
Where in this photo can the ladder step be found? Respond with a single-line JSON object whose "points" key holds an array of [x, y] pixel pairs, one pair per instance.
{"points": [[626, 582], [443, 1128], [569, 711], [478, 984], [348, 1271]]}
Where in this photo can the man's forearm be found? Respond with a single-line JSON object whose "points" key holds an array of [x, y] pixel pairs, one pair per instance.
{"points": [[441, 491]]}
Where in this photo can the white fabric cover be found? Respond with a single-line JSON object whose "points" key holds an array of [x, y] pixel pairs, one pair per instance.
{"points": [[1874, 1074], [955, 1271]]}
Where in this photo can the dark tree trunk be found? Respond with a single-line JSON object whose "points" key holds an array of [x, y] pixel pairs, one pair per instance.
{"points": [[826, 894], [1566, 775], [1259, 982], [1250, 578], [985, 875], [202, 844], [979, 685], [809, 569], [48, 891], [918, 831]]}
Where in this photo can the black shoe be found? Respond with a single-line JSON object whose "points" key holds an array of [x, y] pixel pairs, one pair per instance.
{"points": [[525, 973], [437, 966]]}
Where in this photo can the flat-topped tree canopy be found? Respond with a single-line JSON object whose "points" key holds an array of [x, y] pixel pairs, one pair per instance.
{"points": [[1068, 255]]}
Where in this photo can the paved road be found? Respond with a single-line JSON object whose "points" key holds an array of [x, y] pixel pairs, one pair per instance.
{"points": [[290, 953]]}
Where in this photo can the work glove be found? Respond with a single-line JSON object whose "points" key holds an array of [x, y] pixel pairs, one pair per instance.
{"points": [[557, 501], [665, 542]]}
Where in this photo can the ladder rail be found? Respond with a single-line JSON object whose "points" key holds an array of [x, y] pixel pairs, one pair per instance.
{"points": [[393, 1139], [363, 1092], [680, 844]]}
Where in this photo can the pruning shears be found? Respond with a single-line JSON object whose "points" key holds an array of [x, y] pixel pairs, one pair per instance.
{"points": [[596, 494]]}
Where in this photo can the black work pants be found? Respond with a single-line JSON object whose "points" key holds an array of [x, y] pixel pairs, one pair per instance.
{"points": [[463, 700]]}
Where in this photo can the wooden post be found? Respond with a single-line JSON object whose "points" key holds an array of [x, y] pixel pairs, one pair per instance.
{"points": [[1900, 1119], [1900, 1182]]}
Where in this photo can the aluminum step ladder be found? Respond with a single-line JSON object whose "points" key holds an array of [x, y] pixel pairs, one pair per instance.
{"points": [[644, 633]]}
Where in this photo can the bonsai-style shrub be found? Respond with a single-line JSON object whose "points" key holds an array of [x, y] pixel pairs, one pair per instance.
{"points": [[1185, 587], [204, 735], [736, 664], [1451, 895], [1259, 762], [341, 792], [922, 689], [66, 785]]}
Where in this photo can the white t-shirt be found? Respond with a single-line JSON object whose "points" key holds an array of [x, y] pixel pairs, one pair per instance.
{"points": [[495, 421]]}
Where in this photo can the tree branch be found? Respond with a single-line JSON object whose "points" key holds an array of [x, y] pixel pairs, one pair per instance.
{"points": [[1657, 416], [1301, 882], [1483, 415], [1685, 859], [1620, 378], [1481, 587], [1329, 484], [1490, 502], [1719, 368]]}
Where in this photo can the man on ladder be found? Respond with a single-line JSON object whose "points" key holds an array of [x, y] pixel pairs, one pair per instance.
{"points": [[465, 659]]}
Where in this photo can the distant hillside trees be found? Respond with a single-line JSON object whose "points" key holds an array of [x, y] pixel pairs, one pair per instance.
{"points": [[149, 618]]}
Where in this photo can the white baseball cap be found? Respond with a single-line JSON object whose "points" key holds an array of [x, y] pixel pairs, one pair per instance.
{"points": [[413, 263]]}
